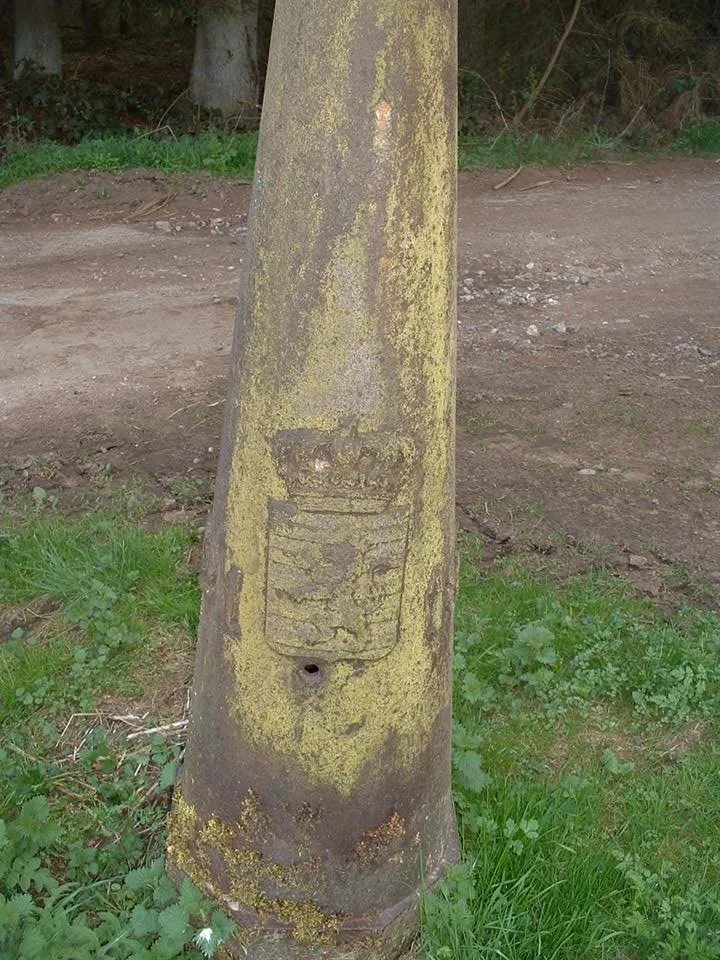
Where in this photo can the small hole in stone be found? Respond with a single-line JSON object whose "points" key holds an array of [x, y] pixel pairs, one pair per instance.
{"points": [[311, 668]]}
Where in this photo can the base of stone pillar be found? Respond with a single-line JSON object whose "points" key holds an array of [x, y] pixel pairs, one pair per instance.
{"points": [[384, 936]]}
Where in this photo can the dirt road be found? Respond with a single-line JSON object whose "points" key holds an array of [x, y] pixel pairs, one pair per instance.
{"points": [[589, 355]]}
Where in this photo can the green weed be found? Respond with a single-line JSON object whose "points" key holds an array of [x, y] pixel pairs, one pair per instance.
{"points": [[700, 139], [515, 149], [586, 776], [82, 805], [510, 149], [137, 914]]}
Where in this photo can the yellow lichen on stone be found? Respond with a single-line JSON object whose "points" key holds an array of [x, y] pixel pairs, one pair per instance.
{"points": [[182, 848], [336, 730], [181, 832], [309, 923], [252, 818], [422, 255], [248, 875], [341, 370]]}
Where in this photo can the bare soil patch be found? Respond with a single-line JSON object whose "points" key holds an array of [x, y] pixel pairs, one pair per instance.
{"points": [[589, 355]]}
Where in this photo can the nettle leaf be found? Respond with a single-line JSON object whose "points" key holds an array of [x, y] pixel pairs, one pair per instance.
{"points": [[538, 679], [144, 878], [206, 942], [472, 688], [22, 905], [174, 922], [210, 938], [469, 771], [475, 690], [191, 899], [54, 936], [463, 739], [465, 641], [83, 861], [33, 823], [167, 776], [34, 945], [23, 872], [458, 884], [14, 911], [144, 922], [112, 926], [167, 948], [223, 926], [548, 656], [165, 892]]}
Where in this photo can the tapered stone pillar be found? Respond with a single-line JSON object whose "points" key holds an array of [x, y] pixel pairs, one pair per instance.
{"points": [[314, 802]]}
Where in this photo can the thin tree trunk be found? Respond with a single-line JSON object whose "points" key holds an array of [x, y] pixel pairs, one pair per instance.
{"points": [[37, 35], [225, 71], [530, 103]]}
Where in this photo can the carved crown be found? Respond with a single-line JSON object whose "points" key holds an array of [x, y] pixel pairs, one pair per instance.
{"points": [[346, 463]]}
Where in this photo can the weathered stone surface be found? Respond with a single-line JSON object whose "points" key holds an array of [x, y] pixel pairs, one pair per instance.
{"points": [[315, 792]]}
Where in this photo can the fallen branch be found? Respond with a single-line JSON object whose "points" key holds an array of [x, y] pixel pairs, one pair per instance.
{"points": [[76, 716], [540, 183], [508, 180], [160, 125], [21, 753], [632, 121], [474, 73]]}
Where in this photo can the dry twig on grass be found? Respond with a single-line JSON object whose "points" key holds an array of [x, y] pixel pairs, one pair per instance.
{"points": [[164, 728], [150, 206]]}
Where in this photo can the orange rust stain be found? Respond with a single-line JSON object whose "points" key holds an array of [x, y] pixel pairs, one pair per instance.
{"points": [[375, 841], [383, 112], [383, 115]]}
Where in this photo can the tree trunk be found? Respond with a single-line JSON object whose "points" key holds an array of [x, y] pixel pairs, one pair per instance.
{"points": [[224, 73], [472, 33], [89, 15], [266, 14], [37, 35]]}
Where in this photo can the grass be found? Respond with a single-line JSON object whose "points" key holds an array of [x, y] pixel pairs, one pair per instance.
{"points": [[579, 147], [587, 776], [61, 562], [586, 765], [222, 154], [234, 154]]}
